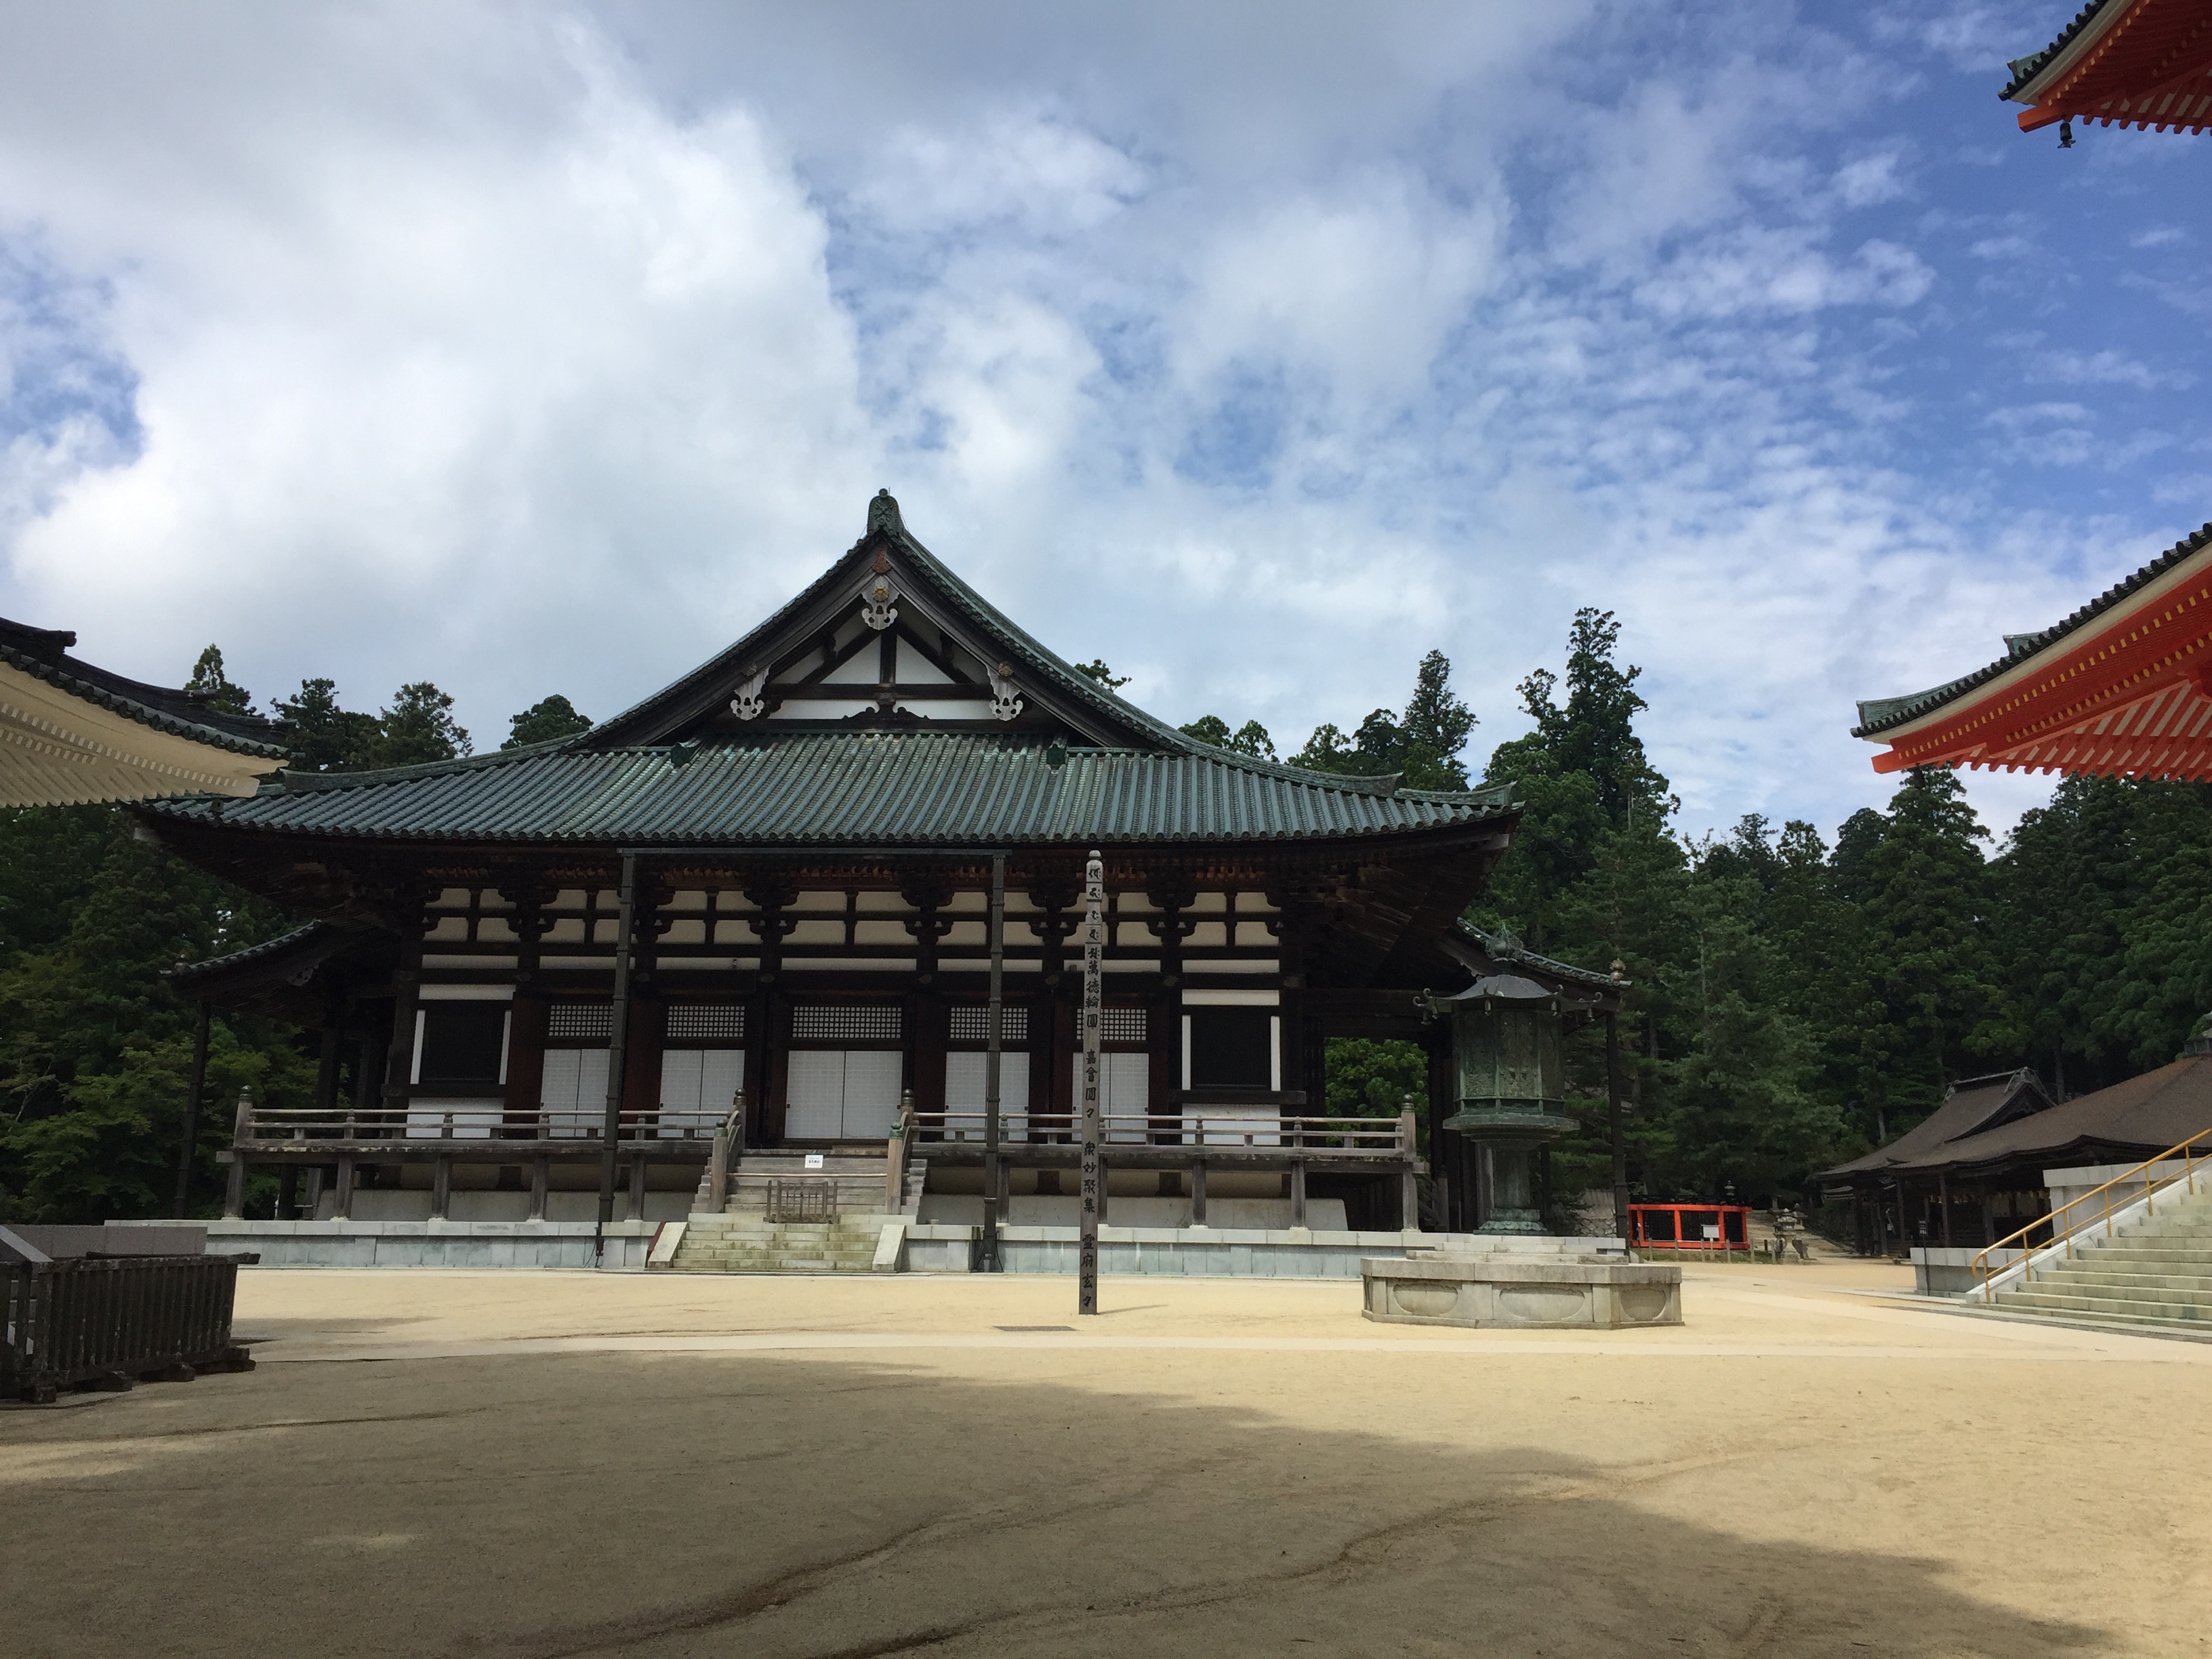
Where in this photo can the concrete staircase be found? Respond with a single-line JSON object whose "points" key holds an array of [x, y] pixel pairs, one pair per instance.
{"points": [[2155, 1275]]}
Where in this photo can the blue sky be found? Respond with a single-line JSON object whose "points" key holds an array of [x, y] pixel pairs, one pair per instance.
{"points": [[1258, 349]]}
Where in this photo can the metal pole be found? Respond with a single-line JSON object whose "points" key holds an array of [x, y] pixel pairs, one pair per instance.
{"points": [[1613, 1122], [193, 1092], [1094, 953], [994, 1031], [617, 1035]]}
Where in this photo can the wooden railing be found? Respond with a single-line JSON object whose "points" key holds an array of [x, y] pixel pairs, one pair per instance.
{"points": [[2098, 1207], [259, 1128], [1195, 1127], [112, 1321]]}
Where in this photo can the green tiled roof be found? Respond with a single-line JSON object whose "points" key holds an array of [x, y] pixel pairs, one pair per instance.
{"points": [[864, 789], [1880, 714]]}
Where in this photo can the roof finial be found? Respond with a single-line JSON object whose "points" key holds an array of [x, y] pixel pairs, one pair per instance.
{"points": [[884, 514]]}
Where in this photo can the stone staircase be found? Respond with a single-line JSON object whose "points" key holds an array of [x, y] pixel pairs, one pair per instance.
{"points": [[733, 1243], [2155, 1275], [742, 1239]]}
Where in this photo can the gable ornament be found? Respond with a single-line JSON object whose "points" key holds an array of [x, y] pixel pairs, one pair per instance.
{"points": [[1005, 696], [878, 598], [749, 704]]}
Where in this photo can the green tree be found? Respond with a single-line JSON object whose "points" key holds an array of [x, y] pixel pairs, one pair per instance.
{"points": [[543, 722], [318, 736], [1422, 745], [209, 681], [1928, 991], [50, 856], [1250, 739], [417, 729], [1580, 774], [1097, 670]]}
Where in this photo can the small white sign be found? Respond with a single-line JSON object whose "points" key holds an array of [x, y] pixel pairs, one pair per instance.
{"points": [[814, 1160], [1712, 1234]]}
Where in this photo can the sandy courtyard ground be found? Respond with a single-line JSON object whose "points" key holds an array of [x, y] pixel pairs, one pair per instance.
{"points": [[536, 1465]]}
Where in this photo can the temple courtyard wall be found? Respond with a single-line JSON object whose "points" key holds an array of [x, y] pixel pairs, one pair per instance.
{"points": [[513, 1465]]}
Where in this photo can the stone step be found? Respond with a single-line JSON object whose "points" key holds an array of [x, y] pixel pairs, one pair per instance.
{"points": [[2133, 1289], [2194, 1284], [2043, 1301]]}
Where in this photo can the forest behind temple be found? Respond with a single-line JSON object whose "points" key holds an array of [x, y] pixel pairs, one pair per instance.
{"points": [[1793, 1000]]}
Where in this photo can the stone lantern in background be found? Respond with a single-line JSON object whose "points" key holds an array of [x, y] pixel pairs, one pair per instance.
{"points": [[1510, 1081]]}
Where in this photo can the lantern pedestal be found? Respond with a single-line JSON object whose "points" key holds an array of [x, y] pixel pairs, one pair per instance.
{"points": [[1513, 1137]]}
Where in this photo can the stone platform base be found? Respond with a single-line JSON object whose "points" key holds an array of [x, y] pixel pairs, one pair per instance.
{"points": [[433, 1243], [1521, 1290]]}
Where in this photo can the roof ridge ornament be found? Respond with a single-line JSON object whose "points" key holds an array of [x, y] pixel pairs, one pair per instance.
{"points": [[884, 514], [749, 704]]}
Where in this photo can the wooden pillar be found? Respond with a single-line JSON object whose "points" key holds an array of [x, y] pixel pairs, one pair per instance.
{"points": [[770, 894], [637, 1188], [342, 1201], [1198, 1193], [367, 1070], [399, 1048], [648, 1013], [522, 1101], [1943, 1198], [441, 1187], [326, 1067], [287, 1193], [1297, 1192], [1614, 1130], [538, 1171], [1450, 1186], [1059, 1067]]}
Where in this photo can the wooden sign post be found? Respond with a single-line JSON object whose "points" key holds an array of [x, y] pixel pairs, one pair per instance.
{"points": [[1094, 954]]}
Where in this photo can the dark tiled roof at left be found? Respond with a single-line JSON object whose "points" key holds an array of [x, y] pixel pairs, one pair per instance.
{"points": [[863, 788], [43, 653], [1879, 714], [2025, 69]]}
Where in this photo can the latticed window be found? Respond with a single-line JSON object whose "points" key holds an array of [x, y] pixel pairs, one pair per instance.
{"points": [[837, 1025], [579, 1021], [699, 1023], [972, 1024], [1122, 1025]]}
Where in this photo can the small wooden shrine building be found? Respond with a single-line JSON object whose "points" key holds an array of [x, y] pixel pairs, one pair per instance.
{"points": [[72, 732], [811, 820]]}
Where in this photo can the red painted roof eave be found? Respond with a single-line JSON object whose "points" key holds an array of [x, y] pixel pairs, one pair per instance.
{"points": [[2143, 651]]}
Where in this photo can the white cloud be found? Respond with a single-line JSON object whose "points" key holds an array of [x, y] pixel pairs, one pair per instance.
{"points": [[1783, 271], [1870, 179], [463, 375], [1360, 287], [1259, 350]]}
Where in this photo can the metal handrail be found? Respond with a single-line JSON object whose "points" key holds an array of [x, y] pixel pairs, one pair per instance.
{"points": [[2148, 1194]]}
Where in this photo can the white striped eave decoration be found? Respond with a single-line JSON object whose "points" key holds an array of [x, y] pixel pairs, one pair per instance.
{"points": [[2193, 114], [2168, 734]]}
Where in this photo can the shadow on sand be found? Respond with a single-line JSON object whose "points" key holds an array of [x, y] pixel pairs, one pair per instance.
{"points": [[772, 1506]]}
